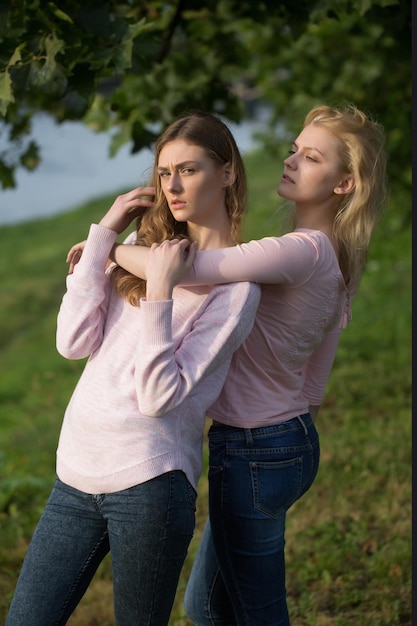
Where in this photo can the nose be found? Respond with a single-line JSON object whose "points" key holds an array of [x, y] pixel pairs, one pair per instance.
{"points": [[290, 161], [174, 183]]}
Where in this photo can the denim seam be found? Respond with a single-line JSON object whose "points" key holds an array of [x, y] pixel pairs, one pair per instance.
{"points": [[75, 585]]}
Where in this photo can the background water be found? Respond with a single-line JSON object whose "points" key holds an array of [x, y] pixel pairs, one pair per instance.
{"points": [[76, 167]]}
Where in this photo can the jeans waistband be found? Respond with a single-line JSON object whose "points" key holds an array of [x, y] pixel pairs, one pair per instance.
{"points": [[303, 421]]}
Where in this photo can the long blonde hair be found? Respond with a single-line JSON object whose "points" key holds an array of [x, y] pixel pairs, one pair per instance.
{"points": [[362, 152], [157, 223]]}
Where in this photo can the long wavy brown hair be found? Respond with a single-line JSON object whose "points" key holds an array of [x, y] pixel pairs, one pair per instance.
{"points": [[157, 223]]}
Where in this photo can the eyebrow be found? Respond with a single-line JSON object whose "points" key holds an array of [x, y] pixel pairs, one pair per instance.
{"points": [[164, 168], [294, 143]]}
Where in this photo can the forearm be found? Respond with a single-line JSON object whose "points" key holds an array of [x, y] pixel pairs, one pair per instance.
{"points": [[132, 258], [274, 260], [83, 309]]}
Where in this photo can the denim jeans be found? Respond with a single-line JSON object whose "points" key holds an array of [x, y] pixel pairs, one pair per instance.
{"points": [[147, 530], [255, 475]]}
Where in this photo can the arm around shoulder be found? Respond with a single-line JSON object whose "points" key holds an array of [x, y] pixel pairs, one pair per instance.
{"points": [[288, 260]]}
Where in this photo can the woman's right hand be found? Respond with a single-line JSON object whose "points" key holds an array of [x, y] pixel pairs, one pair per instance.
{"points": [[126, 208], [122, 212]]}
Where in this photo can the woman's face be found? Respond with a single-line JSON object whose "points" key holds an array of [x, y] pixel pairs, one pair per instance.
{"points": [[193, 184], [313, 171]]}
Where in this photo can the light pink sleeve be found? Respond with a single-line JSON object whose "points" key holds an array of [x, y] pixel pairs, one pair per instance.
{"points": [[318, 368], [83, 308], [289, 259], [166, 374]]}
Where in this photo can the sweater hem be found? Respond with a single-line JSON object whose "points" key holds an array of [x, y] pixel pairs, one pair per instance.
{"points": [[127, 478]]}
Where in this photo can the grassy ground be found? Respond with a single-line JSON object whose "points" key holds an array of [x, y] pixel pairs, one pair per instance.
{"points": [[349, 539]]}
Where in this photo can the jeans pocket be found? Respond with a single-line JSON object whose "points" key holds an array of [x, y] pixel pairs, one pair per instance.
{"points": [[276, 485], [192, 494]]}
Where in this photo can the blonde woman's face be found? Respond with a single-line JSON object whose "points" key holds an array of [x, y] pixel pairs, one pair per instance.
{"points": [[313, 171], [193, 185]]}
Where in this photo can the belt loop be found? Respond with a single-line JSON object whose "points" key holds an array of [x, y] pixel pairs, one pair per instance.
{"points": [[300, 419], [248, 437]]}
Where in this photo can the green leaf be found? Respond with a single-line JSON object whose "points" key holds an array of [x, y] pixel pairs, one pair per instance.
{"points": [[16, 56], [6, 94], [30, 159], [53, 45], [59, 13], [6, 175]]}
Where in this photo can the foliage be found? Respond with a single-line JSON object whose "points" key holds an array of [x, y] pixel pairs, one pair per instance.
{"points": [[133, 66], [349, 539]]}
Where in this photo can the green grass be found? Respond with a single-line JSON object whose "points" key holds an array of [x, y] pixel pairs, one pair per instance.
{"points": [[349, 539]]}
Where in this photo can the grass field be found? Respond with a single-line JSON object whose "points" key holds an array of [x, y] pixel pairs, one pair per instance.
{"points": [[349, 539]]}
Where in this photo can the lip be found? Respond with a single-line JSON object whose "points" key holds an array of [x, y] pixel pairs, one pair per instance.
{"points": [[177, 204], [286, 179]]}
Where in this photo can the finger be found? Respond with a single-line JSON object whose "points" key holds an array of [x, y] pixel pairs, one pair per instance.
{"points": [[145, 191], [136, 210], [74, 257], [138, 193], [191, 254], [186, 246], [70, 253]]}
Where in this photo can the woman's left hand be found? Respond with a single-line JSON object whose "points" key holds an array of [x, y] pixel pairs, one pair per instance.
{"points": [[168, 262]]}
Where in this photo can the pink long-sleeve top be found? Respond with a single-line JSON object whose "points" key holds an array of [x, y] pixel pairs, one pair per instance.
{"points": [[139, 407], [284, 364]]}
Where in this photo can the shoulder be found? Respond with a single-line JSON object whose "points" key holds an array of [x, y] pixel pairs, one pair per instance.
{"points": [[312, 241], [314, 238], [292, 244], [317, 241]]}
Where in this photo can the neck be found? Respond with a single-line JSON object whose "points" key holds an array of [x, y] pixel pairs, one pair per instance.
{"points": [[211, 236], [209, 239], [318, 220]]}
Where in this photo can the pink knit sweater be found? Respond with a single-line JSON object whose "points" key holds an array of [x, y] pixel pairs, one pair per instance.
{"points": [[284, 364], [139, 407]]}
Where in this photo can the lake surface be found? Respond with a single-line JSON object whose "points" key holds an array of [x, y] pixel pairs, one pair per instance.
{"points": [[76, 167]]}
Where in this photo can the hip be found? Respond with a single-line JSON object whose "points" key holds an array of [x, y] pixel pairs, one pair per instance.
{"points": [[297, 432]]}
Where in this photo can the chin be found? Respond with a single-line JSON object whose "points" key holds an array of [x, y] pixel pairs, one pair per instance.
{"points": [[283, 192]]}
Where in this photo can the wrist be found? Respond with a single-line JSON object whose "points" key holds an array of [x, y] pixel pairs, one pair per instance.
{"points": [[108, 225], [158, 290]]}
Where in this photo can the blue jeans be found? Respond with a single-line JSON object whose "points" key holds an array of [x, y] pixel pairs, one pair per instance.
{"points": [[147, 530], [255, 475]]}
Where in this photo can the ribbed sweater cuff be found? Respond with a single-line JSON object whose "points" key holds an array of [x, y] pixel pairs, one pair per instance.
{"points": [[157, 316], [100, 241]]}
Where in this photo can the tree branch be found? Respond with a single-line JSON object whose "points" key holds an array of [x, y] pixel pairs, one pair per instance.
{"points": [[167, 40]]}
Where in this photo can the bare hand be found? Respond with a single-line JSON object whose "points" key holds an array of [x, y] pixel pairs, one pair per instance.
{"points": [[127, 207], [168, 262], [122, 212], [74, 255]]}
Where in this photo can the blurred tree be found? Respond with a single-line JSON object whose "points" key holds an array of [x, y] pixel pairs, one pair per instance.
{"points": [[133, 66]]}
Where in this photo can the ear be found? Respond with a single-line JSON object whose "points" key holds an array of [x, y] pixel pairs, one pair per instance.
{"points": [[229, 176], [345, 185]]}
